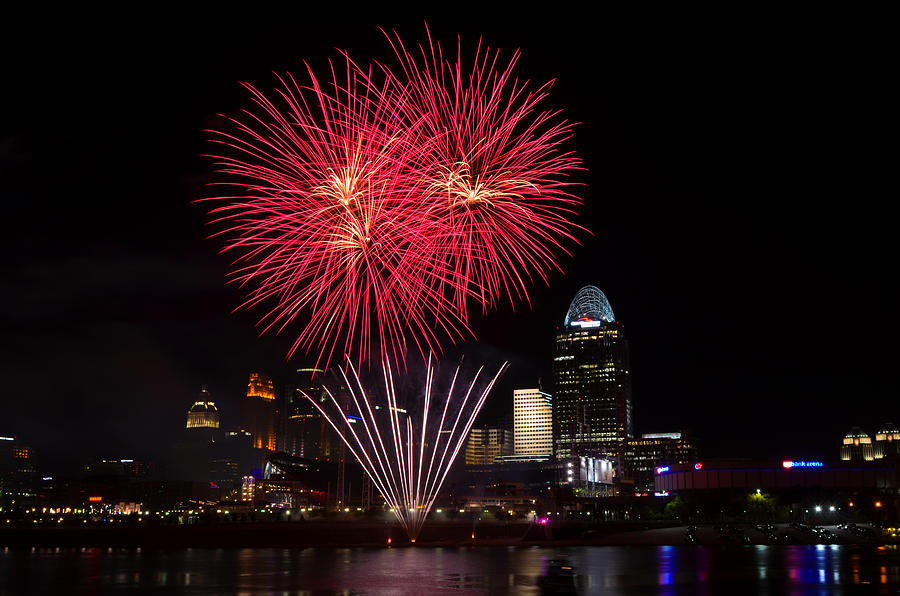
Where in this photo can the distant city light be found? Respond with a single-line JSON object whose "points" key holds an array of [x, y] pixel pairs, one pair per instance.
{"points": [[95, 499], [7, 438], [662, 469]]}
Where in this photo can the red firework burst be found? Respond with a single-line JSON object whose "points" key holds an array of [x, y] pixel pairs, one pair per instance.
{"points": [[494, 171], [369, 213], [325, 222]]}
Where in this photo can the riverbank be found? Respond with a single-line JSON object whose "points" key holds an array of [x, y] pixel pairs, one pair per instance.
{"points": [[373, 534]]}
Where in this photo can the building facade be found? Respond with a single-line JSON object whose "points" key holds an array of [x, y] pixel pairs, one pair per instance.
{"points": [[654, 450], [262, 411], [746, 476], [592, 408], [18, 476], [303, 425], [887, 441], [532, 424], [857, 446], [488, 443]]}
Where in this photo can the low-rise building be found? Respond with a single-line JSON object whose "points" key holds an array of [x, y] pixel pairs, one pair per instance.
{"points": [[652, 450]]}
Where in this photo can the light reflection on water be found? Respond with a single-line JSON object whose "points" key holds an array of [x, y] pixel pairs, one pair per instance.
{"points": [[435, 571]]}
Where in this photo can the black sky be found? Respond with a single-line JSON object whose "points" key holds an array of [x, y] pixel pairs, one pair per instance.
{"points": [[739, 188]]}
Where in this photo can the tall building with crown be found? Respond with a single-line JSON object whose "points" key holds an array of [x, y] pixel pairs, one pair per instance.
{"points": [[262, 411], [194, 452], [203, 414], [592, 411], [208, 453]]}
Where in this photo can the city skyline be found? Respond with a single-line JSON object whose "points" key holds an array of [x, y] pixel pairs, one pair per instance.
{"points": [[716, 244]]}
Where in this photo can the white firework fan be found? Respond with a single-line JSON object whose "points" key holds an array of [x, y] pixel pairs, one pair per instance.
{"points": [[406, 452]]}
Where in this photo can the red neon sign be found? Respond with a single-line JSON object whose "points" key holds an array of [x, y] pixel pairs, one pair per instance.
{"points": [[95, 499]]}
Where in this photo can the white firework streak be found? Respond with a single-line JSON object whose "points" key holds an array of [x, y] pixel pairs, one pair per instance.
{"points": [[409, 481]]}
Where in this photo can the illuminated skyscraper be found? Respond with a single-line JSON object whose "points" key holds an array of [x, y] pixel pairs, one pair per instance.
{"points": [[592, 374], [261, 411], [532, 423], [18, 477], [203, 414], [194, 452], [303, 425], [261, 386]]}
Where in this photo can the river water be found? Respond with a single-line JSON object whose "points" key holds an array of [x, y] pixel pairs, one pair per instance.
{"points": [[831, 569]]}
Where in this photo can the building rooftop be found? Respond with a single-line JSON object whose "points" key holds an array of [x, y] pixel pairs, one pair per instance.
{"points": [[856, 433], [589, 308], [888, 428], [203, 406]]}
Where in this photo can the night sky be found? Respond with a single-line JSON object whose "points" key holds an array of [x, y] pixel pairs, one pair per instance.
{"points": [[737, 191]]}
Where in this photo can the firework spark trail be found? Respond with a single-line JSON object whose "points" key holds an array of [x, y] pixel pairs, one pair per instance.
{"points": [[408, 476], [326, 224], [493, 171], [370, 210]]}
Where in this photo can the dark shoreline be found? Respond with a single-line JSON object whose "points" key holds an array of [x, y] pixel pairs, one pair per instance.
{"points": [[368, 534]]}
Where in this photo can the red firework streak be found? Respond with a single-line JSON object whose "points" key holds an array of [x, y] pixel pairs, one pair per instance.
{"points": [[325, 223], [494, 177], [370, 213]]}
